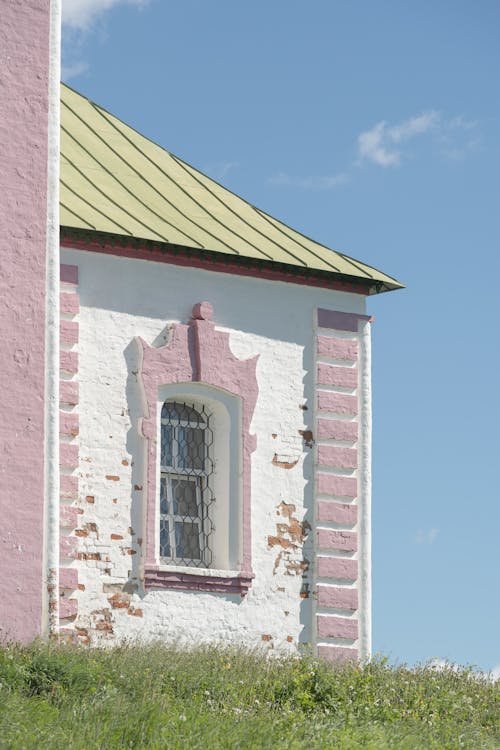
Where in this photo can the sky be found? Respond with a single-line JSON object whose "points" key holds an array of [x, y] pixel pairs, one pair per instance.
{"points": [[372, 127]]}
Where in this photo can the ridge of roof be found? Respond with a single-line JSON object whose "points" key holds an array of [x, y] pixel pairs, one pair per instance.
{"points": [[116, 181]]}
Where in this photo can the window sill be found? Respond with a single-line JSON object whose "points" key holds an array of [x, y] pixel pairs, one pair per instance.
{"points": [[183, 578]]}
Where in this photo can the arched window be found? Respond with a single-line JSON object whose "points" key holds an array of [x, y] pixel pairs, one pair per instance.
{"points": [[186, 492]]}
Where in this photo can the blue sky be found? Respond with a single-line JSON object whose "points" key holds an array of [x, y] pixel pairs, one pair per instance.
{"points": [[374, 128]]}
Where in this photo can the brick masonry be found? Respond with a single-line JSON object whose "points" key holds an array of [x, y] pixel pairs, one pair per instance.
{"points": [[69, 452], [336, 512]]}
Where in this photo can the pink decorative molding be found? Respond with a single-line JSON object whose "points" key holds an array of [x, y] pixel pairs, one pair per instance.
{"points": [[336, 465], [69, 426], [179, 256], [197, 352], [157, 578], [340, 321]]}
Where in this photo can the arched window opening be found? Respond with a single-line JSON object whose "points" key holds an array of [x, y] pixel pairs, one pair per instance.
{"points": [[186, 493]]}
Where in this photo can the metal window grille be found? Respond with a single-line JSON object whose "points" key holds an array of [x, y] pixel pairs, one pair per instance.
{"points": [[186, 494]]}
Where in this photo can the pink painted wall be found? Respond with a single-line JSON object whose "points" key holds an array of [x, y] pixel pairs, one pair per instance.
{"points": [[24, 42]]}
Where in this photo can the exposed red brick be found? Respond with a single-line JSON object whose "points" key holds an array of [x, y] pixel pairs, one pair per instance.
{"points": [[81, 532], [137, 487], [284, 464], [116, 536], [90, 499], [89, 555], [266, 637], [289, 638], [124, 462], [135, 612], [119, 601], [112, 478]]}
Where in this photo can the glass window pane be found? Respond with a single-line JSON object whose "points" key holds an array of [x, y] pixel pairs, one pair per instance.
{"points": [[163, 496], [184, 497], [191, 448], [165, 550], [187, 540], [166, 445]]}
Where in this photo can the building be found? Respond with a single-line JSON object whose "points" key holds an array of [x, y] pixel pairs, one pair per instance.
{"points": [[211, 478]]}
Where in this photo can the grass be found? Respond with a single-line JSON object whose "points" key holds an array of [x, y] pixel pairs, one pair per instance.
{"points": [[64, 697]]}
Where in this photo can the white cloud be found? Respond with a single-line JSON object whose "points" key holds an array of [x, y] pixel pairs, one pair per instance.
{"points": [[426, 537], [219, 170], [495, 673], [80, 14], [311, 182], [378, 144], [73, 70]]}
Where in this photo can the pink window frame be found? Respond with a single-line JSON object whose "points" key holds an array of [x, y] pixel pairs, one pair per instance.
{"points": [[197, 352]]}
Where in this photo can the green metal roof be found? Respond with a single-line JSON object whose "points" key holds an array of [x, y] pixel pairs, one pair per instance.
{"points": [[116, 181]]}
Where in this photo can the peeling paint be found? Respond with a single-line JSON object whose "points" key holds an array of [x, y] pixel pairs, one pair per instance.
{"points": [[283, 463]]}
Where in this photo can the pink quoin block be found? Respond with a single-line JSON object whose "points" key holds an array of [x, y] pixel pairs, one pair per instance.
{"points": [[336, 429], [69, 487], [68, 608], [345, 377], [24, 93], [338, 403], [68, 516], [70, 303], [68, 546], [68, 362], [347, 541], [68, 392], [68, 578], [68, 274], [342, 458], [69, 331], [345, 349], [337, 654], [339, 568], [337, 512], [330, 484], [68, 423], [331, 626], [68, 456], [340, 321], [197, 352], [337, 597]]}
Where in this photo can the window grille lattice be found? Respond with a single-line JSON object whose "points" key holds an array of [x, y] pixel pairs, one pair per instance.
{"points": [[186, 494]]}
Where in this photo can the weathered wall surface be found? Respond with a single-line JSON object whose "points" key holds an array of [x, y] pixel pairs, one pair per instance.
{"points": [[24, 51], [102, 544]]}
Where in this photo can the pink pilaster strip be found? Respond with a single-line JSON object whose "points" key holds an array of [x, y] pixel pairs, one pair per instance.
{"points": [[337, 512], [345, 377], [340, 321], [339, 568], [68, 456], [68, 608], [69, 487], [336, 429], [69, 274], [70, 303], [331, 484], [337, 654], [68, 392], [68, 516], [341, 458], [337, 597], [331, 626], [344, 349], [68, 578], [69, 331], [68, 423], [338, 403], [68, 362], [347, 541], [68, 546]]}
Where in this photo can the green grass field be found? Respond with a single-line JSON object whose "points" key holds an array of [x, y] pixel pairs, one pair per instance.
{"points": [[158, 697]]}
